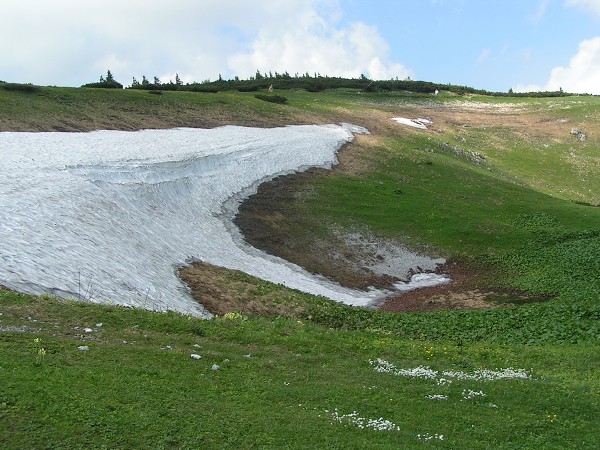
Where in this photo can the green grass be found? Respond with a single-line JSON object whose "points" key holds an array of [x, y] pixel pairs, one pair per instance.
{"points": [[515, 216], [131, 390]]}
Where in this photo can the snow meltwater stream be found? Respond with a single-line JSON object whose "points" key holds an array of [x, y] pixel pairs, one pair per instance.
{"points": [[110, 216]]}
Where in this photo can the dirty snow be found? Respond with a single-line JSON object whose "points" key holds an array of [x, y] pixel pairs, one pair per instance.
{"points": [[110, 216]]}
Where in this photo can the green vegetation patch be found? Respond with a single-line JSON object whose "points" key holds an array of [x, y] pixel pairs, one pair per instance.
{"points": [[86, 376], [272, 98]]}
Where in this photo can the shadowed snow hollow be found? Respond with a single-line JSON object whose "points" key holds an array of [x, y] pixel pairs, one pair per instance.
{"points": [[109, 216]]}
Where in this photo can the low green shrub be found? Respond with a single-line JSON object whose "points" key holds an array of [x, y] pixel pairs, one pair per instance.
{"points": [[272, 98], [104, 85], [19, 87]]}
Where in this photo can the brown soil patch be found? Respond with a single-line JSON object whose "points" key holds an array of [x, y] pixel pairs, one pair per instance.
{"points": [[222, 291], [466, 291]]}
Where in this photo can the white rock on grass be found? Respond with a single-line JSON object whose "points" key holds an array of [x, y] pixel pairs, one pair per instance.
{"points": [[195, 356]]}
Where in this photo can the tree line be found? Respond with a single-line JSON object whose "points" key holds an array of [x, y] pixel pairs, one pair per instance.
{"points": [[312, 83]]}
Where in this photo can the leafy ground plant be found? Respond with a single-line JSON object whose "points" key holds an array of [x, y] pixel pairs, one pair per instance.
{"points": [[119, 377]]}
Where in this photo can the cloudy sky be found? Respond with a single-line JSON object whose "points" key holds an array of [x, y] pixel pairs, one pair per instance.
{"points": [[488, 44]]}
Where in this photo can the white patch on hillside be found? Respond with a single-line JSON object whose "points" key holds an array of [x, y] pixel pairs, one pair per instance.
{"points": [[109, 216], [416, 123]]}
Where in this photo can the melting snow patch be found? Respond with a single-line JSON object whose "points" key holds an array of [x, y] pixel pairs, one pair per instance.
{"points": [[355, 129], [420, 123], [421, 280], [110, 216]]}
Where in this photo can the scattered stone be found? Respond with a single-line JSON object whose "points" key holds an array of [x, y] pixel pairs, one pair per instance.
{"points": [[580, 134], [196, 345], [83, 348], [215, 367], [99, 325], [195, 356], [87, 330]]}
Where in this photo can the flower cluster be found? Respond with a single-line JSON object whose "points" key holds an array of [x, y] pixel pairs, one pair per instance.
{"points": [[382, 366], [40, 352], [490, 375], [443, 381], [353, 418], [429, 437], [437, 397], [468, 394], [234, 316]]}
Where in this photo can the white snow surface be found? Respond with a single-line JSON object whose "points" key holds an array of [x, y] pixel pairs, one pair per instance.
{"points": [[420, 123], [110, 216]]}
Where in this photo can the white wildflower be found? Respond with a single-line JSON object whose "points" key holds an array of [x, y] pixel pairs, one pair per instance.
{"points": [[469, 394], [383, 366], [353, 418], [428, 437], [437, 397]]}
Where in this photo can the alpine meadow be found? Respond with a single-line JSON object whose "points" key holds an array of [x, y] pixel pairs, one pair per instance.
{"points": [[504, 188]]}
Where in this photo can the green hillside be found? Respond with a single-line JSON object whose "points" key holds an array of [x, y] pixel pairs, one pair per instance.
{"points": [[507, 189]]}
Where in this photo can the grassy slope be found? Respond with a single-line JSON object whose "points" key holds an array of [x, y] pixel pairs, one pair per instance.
{"points": [[131, 390], [141, 394]]}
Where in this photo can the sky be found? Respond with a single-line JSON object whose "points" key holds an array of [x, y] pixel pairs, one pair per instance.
{"points": [[496, 45]]}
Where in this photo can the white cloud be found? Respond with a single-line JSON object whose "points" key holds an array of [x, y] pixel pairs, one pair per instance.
{"points": [[71, 42], [590, 5], [582, 75], [540, 11], [484, 55], [310, 43], [526, 54]]}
